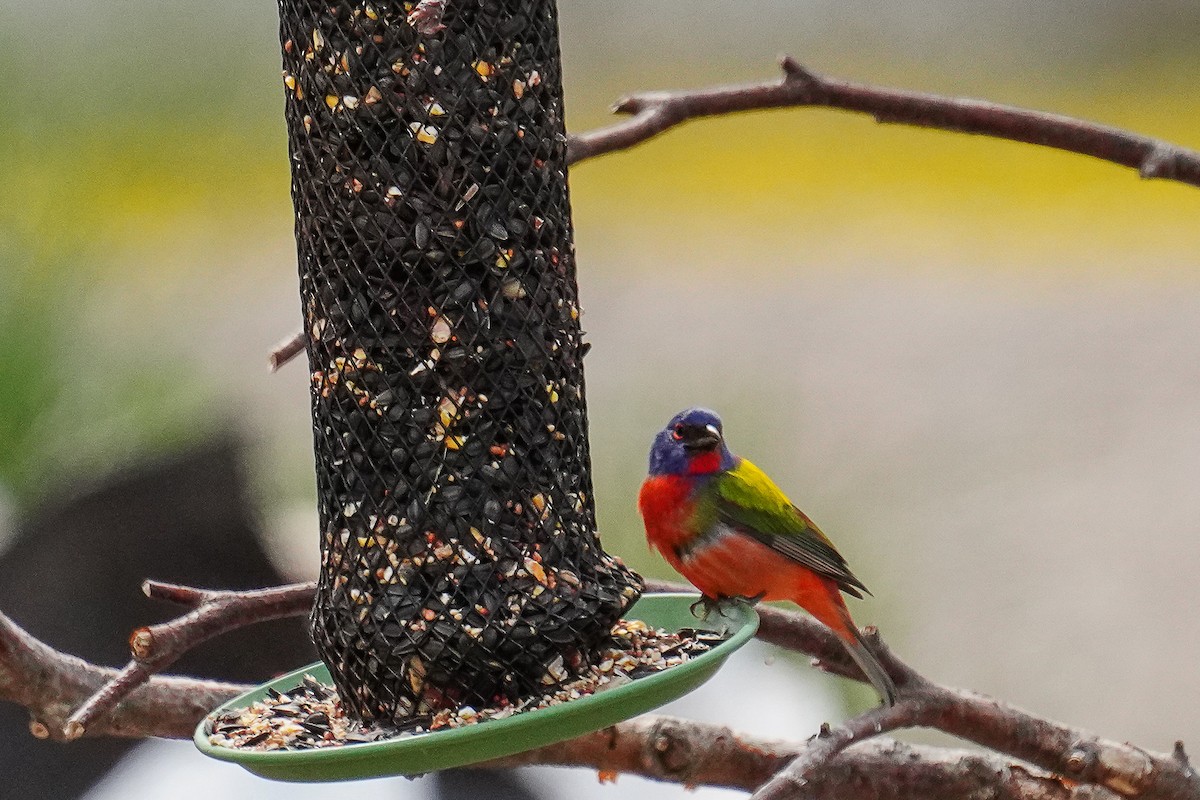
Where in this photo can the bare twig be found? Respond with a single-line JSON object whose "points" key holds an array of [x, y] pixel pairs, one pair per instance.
{"points": [[156, 647], [655, 112], [285, 351], [50, 684], [911, 710]]}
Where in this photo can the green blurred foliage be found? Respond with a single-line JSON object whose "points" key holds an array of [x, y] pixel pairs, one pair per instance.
{"points": [[72, 404], [29, 340], [122, 139]]}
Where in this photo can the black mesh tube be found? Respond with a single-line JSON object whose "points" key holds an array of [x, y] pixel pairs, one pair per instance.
{"points": [[460, 562]]}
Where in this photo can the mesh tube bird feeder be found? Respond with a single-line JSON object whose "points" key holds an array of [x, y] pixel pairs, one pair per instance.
{"points": [[460, 562]]}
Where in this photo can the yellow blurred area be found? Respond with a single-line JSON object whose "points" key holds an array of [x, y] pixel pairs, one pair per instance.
{"points": [[766, 190], [133, 187], [825, 187]]}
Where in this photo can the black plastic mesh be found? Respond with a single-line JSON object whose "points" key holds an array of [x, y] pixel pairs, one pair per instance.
{"points": [[460, 562]]}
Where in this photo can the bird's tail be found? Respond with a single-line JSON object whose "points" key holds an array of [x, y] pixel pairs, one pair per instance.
{"points": [[822, 597], [857, 647]]}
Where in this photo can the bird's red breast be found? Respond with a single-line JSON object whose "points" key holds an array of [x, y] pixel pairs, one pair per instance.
{"points": [[665, 503]]}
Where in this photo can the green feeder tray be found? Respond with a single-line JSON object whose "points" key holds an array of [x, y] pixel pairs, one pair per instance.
{"points": [[416, 754]]}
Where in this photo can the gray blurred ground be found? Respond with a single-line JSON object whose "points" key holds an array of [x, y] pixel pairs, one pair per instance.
{"points": [[1009, 464], [1013, 469]]}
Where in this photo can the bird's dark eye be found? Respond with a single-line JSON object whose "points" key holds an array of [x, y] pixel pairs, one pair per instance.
{"points": [[677, 434]]}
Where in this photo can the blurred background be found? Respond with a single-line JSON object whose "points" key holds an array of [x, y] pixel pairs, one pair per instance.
{"points": [[975, 363]]}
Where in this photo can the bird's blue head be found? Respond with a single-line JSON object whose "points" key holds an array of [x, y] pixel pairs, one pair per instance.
{"points": [[693, 443]]}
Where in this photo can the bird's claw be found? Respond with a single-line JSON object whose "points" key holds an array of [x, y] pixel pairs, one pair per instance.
{"points": [[750, 600], [704, 607]]}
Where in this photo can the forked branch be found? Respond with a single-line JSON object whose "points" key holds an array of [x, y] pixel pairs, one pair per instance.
{"points": [[157, 647], [49, 683]]}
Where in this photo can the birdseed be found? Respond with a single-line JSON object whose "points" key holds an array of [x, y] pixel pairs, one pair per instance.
{"points": [[311, 715]]}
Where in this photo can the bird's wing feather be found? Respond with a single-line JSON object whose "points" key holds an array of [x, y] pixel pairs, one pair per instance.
{"points": [[747, 500]]}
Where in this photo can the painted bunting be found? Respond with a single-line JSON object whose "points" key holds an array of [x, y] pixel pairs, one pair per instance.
{"points": [[727, 528]]}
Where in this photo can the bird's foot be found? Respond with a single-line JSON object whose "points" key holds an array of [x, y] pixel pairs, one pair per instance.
{"points": [[747, 599], [702, 609]]}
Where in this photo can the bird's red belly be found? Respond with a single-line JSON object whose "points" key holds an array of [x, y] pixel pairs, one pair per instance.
{"points": [[736, 565]]}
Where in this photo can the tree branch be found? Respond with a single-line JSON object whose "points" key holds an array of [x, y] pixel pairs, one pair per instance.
{"points": [[157, 647], [1125, 769], [656, 112], [50, 683], [695, 754]]}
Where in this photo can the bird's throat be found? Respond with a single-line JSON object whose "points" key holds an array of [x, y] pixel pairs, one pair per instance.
{"points": [[704, 463]]}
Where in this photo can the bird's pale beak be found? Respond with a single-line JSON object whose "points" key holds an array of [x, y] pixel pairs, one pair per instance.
{"points": [[706, 439]]}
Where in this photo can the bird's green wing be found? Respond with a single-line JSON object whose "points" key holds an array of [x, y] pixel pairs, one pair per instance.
{"points": [[745, 499]]}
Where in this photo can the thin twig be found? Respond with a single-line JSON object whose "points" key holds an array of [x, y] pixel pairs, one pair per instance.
{"points": [[157, 647], [911, 710], [285, 351], [655, 112]]}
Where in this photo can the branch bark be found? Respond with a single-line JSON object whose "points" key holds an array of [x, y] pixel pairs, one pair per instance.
{"points": [[695, 754], [157, 647], [655, 112], [50, 683], [1125, 769]]}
